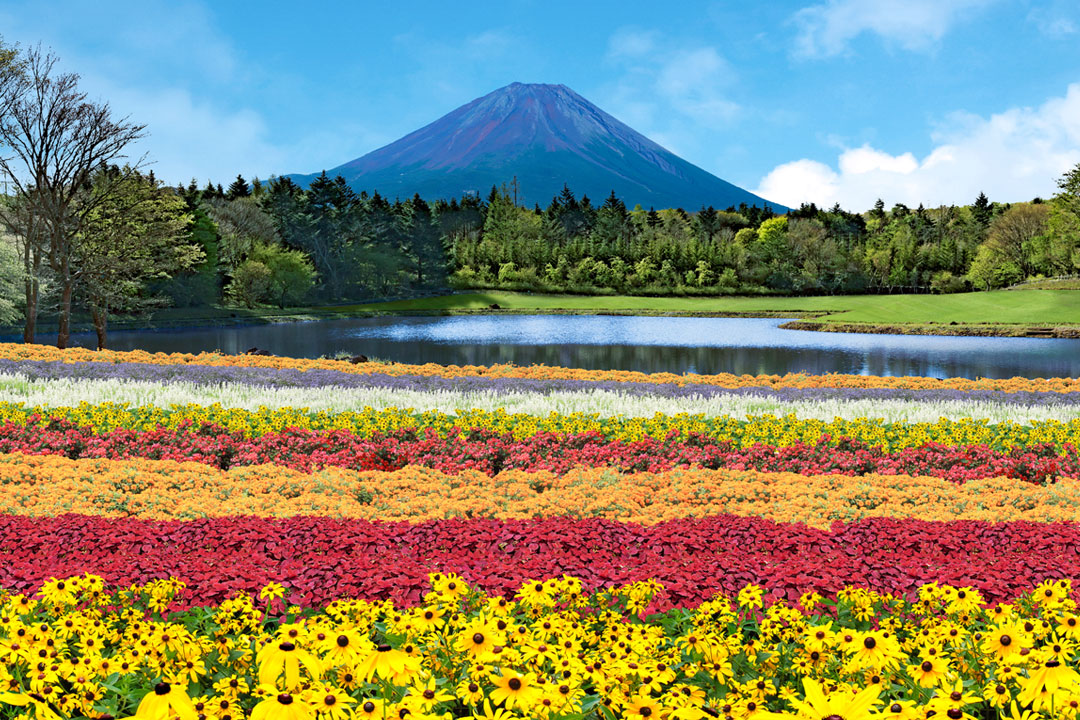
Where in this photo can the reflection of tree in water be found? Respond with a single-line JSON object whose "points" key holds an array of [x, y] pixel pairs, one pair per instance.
{"points": [[759, 347]]}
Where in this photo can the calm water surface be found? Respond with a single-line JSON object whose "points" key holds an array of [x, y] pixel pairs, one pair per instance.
{"points": [[650, 344]]}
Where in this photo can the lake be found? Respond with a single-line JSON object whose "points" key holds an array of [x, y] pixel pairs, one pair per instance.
{"points": [[649, 344]]}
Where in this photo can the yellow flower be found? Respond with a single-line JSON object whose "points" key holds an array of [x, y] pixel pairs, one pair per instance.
{"points": [[282, 706], [930, 672], [842, 704], [163, 701], [515, 690], [750, 596], [386, 662], [370, 709], [286, 658]]}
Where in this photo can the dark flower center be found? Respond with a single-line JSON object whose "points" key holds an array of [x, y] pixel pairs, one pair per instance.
{"points": [[329, 700], [384, 648], [869, 643], [369, 706], [646, 711], [1006, 640], [343, 640], [285, 699], [162, 688], [927, 666], [514, 684], [286, 646], [478, 638], [429, 694]]}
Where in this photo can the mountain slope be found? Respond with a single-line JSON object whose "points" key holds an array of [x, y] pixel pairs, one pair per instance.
{"points": [[545, 135]]}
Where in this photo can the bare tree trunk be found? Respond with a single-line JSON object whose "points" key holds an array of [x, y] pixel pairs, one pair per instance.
{"points": [[30, 326], [101, 319], [64, 332], [30, 285]]}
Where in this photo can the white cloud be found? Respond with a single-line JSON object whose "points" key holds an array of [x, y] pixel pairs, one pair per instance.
{"points": [[1011, 156], [828, 28]]}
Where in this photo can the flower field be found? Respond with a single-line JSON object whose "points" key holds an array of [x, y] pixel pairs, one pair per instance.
{"points": [[214, 537]]}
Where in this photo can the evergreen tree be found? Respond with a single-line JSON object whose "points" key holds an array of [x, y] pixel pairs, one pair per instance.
{"points": [[238, 189], [982, 210]]}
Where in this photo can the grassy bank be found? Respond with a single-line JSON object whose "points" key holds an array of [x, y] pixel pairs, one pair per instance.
{"points": [[1030, 307], [1040, 313]]}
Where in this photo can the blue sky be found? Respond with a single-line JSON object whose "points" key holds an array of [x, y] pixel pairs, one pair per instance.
{"points": [[842, 101]]}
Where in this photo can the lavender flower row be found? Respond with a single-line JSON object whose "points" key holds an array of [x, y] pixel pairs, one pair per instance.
{"points": [[276, 378]]}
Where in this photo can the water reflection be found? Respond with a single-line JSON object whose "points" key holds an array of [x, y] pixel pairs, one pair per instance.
{"points": [[651, 344]]}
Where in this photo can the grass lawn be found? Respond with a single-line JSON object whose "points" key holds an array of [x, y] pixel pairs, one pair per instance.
{"points": [[1024, 307]]}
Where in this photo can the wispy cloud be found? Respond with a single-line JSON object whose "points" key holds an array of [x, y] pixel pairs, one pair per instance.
{"points": [[169, 66], [827, 29], [1010, 156], [1055, 21], [669, 90]]}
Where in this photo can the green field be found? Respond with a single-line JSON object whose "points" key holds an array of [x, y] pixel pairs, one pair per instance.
{"points": [[1019, 307]]}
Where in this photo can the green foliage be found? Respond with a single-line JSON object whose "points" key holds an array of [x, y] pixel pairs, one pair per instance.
{"points": [[136, 233], [250, 285], [11, 277], [201, 285], [272, 273]]}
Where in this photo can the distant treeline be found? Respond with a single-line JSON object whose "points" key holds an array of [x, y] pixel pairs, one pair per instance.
{"points": [[347, 246]]}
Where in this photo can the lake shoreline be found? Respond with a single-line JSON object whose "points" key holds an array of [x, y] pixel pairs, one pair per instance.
{"points": [[803, 321], [1066, 332]]}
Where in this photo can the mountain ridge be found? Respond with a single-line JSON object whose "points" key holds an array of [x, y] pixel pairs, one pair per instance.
{"points": [[545, 136]]}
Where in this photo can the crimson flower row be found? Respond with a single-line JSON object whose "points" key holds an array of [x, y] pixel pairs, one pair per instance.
{"points": [[319, 559], [491, 453]]}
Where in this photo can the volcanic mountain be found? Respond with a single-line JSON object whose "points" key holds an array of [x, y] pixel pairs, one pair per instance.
{"points": [[545, 136]]}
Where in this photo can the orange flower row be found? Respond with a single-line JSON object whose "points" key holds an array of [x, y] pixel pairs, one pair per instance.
{"points": [[18, 351], [35, 485]]}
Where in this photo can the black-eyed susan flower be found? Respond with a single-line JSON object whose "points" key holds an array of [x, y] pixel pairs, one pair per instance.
{"points": [[282, 706], [643, 707], [385, 661], [1004, 641], [997, 694], [164, 701], [478, 638], [929, 672], [369, 709], [330, 703], [843, 704], [487, 712], [284, 657], [470, 692], [344, 647], [515, 690]]}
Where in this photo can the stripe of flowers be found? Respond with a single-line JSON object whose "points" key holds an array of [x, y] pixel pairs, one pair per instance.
{"points": [[316, 378], [320, 559], [479, 449]]}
